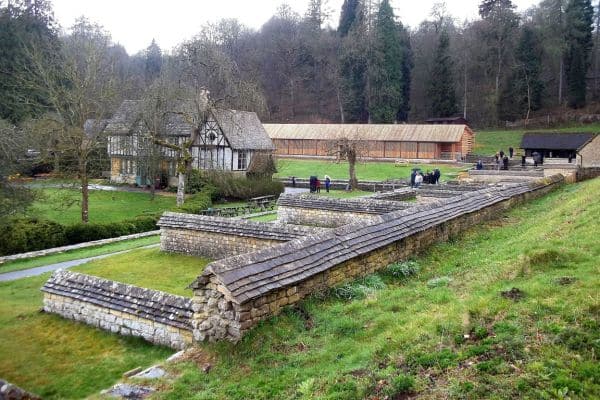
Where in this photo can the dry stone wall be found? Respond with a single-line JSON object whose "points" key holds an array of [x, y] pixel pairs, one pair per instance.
{"points": [[234, 294], [330, 212], [128, 310], [217, 237]]}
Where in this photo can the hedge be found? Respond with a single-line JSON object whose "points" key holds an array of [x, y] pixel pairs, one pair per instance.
{"points": [[30, 234]]}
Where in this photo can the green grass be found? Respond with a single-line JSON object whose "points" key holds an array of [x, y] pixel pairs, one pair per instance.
{"points": [[370, 171], [265, 218], [488, 142], [460, 340], [18, 265], [64, 205], [57, 358]]}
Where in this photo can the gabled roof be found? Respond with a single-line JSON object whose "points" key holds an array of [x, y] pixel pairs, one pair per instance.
{"points": [[555, 140], [242, 129], [93, 127], [383, 132]]}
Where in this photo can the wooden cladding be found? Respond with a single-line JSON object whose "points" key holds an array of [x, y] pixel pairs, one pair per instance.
{"points": [[374, 149]]}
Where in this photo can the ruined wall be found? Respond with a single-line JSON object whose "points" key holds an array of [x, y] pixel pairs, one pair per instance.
{"points": [[218, 237], [234, 294], [314, 210], [495, 176], [128, 310]]}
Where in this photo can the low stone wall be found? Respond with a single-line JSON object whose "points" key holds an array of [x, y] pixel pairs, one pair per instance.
{"points": [[490, 176], [341, 184], [217, 237], [128, 310], [587, 173], [314, 210], [403, 194], [234, 294]]}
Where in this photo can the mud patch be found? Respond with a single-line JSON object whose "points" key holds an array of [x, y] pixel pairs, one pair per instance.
{"points": [[514, 294]]}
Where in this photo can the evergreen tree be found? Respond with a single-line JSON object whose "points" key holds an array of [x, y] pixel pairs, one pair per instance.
{"points": [[406, 66], [386, 70], [349, 16], [153, 62], [523, 91], [23, 24], [442, 90], [578, 37]]}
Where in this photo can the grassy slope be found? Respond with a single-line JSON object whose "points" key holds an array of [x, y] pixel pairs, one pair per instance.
{"points": [[18, 265], [409, 337], [58, 358], [63, 205], [488, 142], [375, 171]]}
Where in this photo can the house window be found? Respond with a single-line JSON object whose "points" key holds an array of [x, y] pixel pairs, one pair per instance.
{"points": [[242, 160], [126, 166]]}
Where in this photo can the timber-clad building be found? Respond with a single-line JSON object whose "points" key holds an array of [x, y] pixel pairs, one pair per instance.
{"points": [[398, 141], [228, 140]]}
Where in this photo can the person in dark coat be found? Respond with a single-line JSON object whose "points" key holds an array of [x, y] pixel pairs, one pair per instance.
{"points": [[436, 176], [413, 174], [479, 165], [505, 162], [293, 181], [327, 183], [523, 160], [318, 185], [501, 154], [511, 151], [536, 158]]}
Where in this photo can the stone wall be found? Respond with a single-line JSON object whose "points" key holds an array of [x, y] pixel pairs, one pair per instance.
{"points": [[128, 310], [491, 176], [314, 210], [589, 155], [217, 237], [234, 294]]}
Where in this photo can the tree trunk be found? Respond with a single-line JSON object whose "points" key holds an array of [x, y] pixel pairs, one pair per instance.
{"points": [[560, 81], [85, 194], [180, 189], [340, 105], [352, 170]]}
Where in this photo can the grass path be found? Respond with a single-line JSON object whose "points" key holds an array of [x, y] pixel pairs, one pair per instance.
{"points": [[446, 333]]}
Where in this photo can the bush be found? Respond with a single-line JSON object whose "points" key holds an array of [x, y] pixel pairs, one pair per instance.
{"points": [[401, 384], [403, 270], [358, 289], [29, 234], [442, 281], [231, 186], [196, 203]]}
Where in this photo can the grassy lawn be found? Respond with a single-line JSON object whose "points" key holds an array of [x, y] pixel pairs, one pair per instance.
{"points": [[58, 358], [63, 205], [370, 171], [18, 265], [445, 332], [488, 142], [264, 218]]}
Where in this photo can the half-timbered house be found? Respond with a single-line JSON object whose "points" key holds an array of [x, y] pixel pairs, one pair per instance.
{"points": [[227, 140]]}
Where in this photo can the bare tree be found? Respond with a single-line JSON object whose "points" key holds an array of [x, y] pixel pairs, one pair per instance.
{"points": [[350, 149], [78, 86]]}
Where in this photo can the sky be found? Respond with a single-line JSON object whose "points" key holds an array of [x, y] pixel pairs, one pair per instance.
{"points": [[134, 23]]}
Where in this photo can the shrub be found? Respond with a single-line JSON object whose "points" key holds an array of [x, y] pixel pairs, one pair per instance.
{"points": [[29, 234], [359, 289], [401, 384], [230, 186], [403, 270], [196, 203]]}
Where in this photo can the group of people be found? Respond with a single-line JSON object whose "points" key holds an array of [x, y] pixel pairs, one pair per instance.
{"points": [[417, 177], [502, 159], [315, 184]]}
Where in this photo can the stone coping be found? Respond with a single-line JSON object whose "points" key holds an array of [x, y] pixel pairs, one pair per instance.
{"points": [[514, 172], [153, 305], [236, 227], [246, 277], [364, 205]]}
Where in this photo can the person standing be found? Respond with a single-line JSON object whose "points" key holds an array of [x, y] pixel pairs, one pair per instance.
{"points": [[418, 180], [413, 175], [479, 166], [318, 185], [511, 151], [436, 176], [505, 162]]}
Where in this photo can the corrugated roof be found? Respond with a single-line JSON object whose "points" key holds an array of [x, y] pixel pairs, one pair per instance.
{"points": [[554, 140], [387, 132]]}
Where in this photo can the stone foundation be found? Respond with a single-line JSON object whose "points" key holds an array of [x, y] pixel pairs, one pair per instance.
{"points": [[217, 237], [158, 317], [235, 294]]}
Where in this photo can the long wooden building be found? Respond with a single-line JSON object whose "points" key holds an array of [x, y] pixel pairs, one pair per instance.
{"points": [[437, 141]]}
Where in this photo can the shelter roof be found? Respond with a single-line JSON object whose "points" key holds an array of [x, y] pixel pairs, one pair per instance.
{"points": [[555, 140], [444, 133]]}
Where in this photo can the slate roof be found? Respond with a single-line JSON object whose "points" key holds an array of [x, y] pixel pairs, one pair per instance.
{"points": [[93, 127], [445, 133], [362, 205], [242, 129], [236, 227], [154, 305], [555, 141], [249, 276]]}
